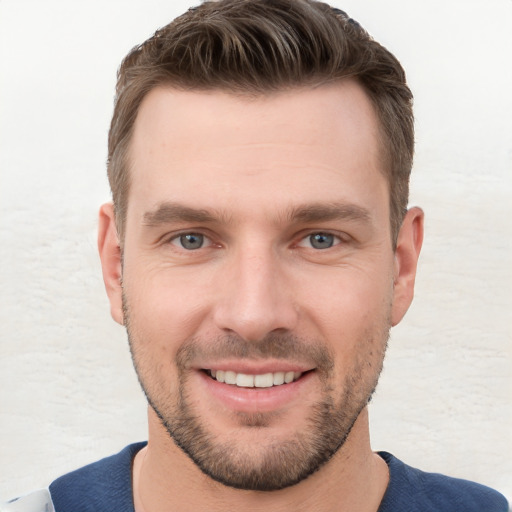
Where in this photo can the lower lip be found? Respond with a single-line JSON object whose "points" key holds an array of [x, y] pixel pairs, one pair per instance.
{"points": [[253, 400]]}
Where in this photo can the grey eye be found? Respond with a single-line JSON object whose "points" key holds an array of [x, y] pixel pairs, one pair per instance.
{"points": [[191, 241], [321, 240]]}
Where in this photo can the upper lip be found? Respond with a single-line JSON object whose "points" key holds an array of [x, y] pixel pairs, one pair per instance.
{"points": [[256, 367]]}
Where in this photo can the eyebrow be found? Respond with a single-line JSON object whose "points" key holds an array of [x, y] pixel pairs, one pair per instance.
{"points": [[169, 212], [322, 212]]}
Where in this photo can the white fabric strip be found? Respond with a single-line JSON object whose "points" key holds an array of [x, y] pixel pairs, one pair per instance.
{"points": [[36, 501]]}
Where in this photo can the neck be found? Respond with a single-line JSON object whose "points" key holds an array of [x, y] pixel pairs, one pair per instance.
{"points": [[165, 479]]}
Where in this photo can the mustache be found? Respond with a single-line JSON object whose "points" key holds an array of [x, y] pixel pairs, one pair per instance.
{"points": [[286, 346]]}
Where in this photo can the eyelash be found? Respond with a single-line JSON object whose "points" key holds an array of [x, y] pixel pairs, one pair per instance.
{"points": [[337, 239], [321, 236], [178, 237]]}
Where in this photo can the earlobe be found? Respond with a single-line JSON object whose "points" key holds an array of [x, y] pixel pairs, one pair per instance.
{"points": [[410, 239], [110, 255]]}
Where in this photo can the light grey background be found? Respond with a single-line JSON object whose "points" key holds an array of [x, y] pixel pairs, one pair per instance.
{"points": [[68, 394]]}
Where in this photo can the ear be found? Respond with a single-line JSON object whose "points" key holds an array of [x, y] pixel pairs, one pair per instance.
{"points": [[110, 255], [410, 239]]}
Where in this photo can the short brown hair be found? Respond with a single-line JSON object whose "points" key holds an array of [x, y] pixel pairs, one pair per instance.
{"points": [[256, 47]]}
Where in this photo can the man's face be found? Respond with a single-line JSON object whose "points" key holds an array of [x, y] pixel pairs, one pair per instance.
{"points": [[258, 274]]}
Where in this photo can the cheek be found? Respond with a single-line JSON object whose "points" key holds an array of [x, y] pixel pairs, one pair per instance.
{"points": [[349, 302], [354, 320], [165, 305]]}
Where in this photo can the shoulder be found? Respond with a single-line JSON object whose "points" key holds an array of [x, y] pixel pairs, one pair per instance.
{"points": [[413, 490], [102, 485]]}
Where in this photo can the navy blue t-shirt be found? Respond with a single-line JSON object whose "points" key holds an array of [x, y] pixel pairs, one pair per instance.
{"points": [[106, 486]]}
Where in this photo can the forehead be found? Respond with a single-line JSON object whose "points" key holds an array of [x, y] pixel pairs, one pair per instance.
{"points": [[206, 146]]}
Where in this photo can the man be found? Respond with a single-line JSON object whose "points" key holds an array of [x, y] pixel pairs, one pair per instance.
{"points": [[258, 250]]}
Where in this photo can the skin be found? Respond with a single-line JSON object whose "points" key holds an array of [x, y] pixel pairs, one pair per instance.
{"points": [[270, 171]]}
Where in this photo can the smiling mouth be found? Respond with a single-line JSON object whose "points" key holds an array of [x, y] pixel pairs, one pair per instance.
{"points": [[264, 380]]}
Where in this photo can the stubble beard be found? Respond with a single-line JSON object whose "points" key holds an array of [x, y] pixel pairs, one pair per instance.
{"points": [[278, 463]]}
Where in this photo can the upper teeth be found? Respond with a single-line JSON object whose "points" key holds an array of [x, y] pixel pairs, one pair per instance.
{"points": [[265, 380]]}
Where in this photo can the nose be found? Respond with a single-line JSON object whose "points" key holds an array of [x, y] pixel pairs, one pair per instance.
{"points": [[256, 296]]}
